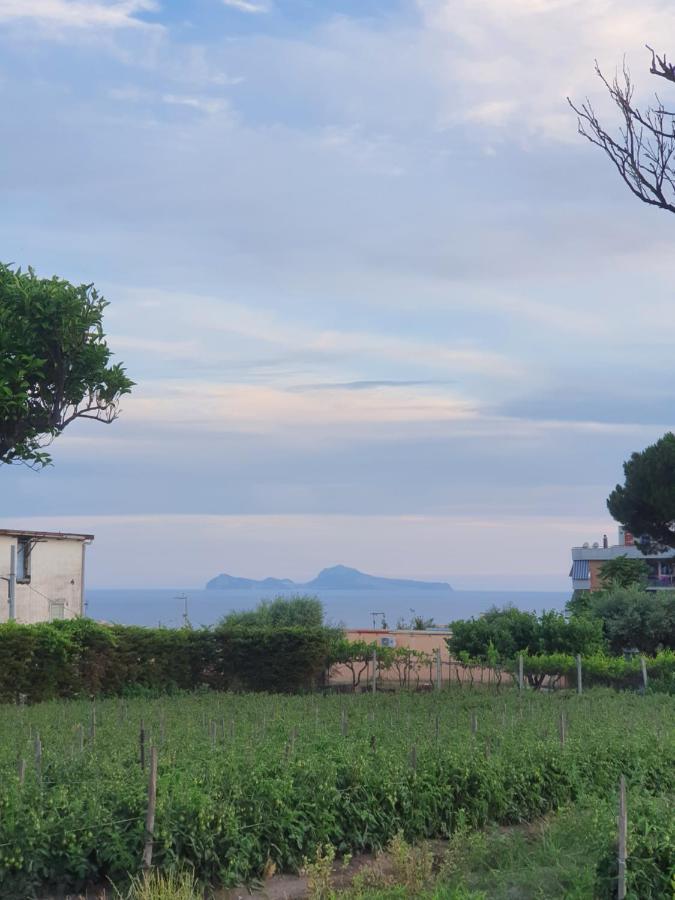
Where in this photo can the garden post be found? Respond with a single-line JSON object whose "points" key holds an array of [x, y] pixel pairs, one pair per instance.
{"points": [[150, 813], [579, 684], [623, 834]]}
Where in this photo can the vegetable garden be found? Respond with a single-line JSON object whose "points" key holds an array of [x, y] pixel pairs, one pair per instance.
{"points": [[247, 782]]}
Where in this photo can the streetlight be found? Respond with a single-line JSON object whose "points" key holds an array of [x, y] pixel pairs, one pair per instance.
{"points": [[373, 614]]}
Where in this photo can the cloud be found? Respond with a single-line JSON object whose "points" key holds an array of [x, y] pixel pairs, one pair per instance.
{"points": [[78, 13], [247, 6], [509, 64], [209, 105], [365, 385]]}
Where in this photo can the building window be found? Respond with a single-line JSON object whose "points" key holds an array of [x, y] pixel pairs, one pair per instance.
{"points": [[23, 553], [56, 610]]}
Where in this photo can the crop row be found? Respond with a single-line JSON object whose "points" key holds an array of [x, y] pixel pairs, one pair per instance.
{"points": [[249, 780]]}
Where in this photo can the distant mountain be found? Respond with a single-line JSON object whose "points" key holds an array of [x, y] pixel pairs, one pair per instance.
{"points": [[335, 578], [232, 583]]}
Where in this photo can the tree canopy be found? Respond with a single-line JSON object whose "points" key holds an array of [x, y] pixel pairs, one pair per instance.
{"points": [[282, 612], [500, 634], [624, 572], [633, 618], [645, 503], [55, 364]]}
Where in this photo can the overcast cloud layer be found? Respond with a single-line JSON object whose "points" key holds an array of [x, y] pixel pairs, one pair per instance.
{"points": [[383, 306]]}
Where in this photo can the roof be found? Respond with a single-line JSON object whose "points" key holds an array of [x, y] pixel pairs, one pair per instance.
{"points": [[52, 535], [385, 631], [631, 551]]}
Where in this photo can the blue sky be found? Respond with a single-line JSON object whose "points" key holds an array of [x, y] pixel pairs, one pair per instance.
{"points": [[383, 306]]}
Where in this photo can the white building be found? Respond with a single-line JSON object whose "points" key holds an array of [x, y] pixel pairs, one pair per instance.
{"points": [[45, 572]]}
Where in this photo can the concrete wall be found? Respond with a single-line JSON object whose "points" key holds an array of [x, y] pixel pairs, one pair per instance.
{"points": [[56, 574], [424, 641]]}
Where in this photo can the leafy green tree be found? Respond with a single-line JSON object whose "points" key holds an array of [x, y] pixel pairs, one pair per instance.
{"points": [[634, 618], [645, 503], [54, 363], [624, 572], [508, 630], [353, 655], [501, 634], [574, 635], [282, 612]]}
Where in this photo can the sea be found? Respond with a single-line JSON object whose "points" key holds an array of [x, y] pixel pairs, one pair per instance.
{"points": [[351, 608]]}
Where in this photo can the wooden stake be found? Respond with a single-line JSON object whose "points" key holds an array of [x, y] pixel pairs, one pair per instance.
{"points": [[343, 722], [21, 770], [150, 813], [520, 672], [413, 758], [80, 737], [643, 666], [212, 728], [141, 741], [562, 728], [474, 722], [38, 754], [579, 684], [374, 670], [623, 836], [92, 726]]}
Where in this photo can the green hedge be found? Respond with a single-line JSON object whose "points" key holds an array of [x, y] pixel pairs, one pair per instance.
{"points": [[611, 671], [81, 658]]}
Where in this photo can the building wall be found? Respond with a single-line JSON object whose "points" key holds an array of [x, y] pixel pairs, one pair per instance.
{"points": [[56, 575], [594, 566], [424, 641]]}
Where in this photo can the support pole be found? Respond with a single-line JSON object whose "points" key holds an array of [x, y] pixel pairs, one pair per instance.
{"points": [[12, 583], [150, 812], [438, 668], [374, 670], [520, 672], [623, 835], [579, 684]]}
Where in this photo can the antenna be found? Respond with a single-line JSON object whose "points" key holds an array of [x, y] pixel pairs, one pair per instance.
{"points": [[373, 614], [184, 598]]}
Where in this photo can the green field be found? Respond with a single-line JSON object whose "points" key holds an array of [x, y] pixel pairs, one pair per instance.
{"points": [[250, 780]]}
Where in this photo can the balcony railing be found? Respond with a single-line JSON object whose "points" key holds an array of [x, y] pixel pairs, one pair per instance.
{"points": [[663, 581]]}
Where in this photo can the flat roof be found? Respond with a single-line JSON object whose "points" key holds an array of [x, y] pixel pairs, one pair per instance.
{"points": [[55, 535], [385, 631]]}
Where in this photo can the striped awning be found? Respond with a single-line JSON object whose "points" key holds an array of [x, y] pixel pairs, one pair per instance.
{"points": [[580, 570]]}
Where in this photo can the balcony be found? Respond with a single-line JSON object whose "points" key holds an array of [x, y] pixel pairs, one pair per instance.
{"points": [[667, 582]]}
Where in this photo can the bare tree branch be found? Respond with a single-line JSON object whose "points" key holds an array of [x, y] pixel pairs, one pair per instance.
{"points": [[643, 150], [659, 65]]}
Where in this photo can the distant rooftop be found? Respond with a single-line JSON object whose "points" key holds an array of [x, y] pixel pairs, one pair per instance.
{"points": [[53, 535]]}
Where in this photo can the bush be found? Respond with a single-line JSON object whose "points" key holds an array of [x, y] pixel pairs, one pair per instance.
{"points": [[81, 658]]}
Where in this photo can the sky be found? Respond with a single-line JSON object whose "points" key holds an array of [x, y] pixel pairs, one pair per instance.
{"points": [[384, 307]]}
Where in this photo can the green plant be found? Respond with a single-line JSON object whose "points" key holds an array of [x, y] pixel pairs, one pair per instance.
{"points": [[54, 363], [412, 865], [250, 782], [155, 885], [319, 873]]}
